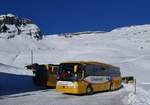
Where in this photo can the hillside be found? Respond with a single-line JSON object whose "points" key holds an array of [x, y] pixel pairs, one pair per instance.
{"points": [[126, 47]]}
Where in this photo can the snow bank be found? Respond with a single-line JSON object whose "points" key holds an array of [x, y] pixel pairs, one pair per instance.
{"points": [[142, 97]]}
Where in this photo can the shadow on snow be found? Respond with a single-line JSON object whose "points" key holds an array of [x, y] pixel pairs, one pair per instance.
{"points": [[13, 84]]}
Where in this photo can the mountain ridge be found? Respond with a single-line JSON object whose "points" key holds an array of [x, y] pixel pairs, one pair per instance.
{"points": [[12, 26]]}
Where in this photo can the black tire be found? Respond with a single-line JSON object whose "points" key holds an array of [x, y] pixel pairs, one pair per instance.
{"points": [[89, 90]]}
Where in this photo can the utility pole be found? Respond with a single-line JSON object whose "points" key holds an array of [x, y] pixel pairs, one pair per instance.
{"points": [[31, 56], [134, 86]]}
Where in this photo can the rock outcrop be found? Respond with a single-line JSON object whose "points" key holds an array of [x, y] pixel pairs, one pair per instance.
{"points": [[11, 26]]}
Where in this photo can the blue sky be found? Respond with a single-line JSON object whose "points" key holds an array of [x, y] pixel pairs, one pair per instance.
{"points": [[59, 16]]}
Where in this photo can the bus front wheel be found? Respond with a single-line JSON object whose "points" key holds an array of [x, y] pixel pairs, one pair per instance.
{"points": [[89, 90]]}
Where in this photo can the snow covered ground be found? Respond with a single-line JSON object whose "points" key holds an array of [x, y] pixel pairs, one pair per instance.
{"points": [[128, 48]]}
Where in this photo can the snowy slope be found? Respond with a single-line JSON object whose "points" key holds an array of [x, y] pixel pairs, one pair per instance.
{"points": [[127, 47]]}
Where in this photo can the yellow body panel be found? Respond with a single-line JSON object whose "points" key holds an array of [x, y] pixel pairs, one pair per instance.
{"points": [[90, 62], [116, 82], [51, 80], [101, 86], [67, 89], [77, 88], [51, 84], [81, 86]]}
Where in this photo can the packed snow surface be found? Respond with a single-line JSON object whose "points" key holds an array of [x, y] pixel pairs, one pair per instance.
{"points": [[128, 48]]}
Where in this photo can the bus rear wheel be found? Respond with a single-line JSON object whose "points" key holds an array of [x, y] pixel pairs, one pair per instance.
{"points": [[89, 90]]}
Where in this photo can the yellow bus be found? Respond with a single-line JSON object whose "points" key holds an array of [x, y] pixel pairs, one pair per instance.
{"points": [[87, 77], [45, 74]]}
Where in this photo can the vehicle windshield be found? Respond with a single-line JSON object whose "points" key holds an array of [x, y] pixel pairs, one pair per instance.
{"points": [[69, 72]]}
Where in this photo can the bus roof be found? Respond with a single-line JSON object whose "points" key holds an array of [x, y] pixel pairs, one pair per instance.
{"points": [[91, 62]]}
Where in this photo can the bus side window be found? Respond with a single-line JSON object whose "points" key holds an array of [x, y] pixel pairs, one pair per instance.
{"points": [[102, 68], [88, 69]]}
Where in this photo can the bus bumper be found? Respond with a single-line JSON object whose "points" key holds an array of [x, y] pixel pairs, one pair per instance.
{"points": [[67, 89]]}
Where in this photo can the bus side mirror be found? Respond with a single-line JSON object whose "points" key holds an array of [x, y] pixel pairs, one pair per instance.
{"points": [[75, 68]]}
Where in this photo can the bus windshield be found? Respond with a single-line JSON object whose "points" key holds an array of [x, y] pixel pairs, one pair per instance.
{"points": [[69, 72]]}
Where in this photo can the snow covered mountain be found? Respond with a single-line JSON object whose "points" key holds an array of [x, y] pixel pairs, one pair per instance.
{"points": [[127, 47], [12, 26]]}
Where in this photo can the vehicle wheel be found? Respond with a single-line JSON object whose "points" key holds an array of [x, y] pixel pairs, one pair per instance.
{"points": [[89, 90]]}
